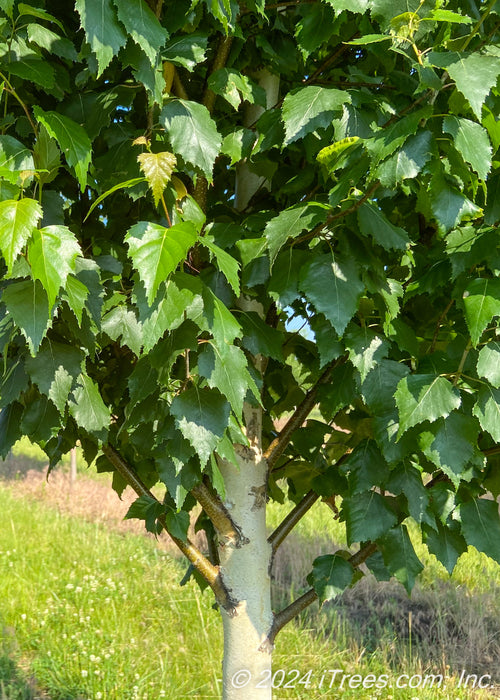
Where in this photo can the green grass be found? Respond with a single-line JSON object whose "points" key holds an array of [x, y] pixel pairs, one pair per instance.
{"points": [[92, 614]]}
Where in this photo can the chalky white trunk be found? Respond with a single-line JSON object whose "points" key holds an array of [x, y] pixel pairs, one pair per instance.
{"points": [[245, 569]]}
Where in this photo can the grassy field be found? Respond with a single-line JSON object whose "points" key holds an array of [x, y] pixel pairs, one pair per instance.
{"points": [[88, 613]]}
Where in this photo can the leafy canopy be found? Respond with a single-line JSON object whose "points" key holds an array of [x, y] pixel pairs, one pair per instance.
{"points": [[143, 301]]}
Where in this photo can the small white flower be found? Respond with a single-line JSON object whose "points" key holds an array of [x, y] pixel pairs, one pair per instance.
{"points": [[85, 673]]}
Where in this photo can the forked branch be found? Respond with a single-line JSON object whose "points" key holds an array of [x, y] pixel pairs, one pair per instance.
{"points": [[218, 514], [204, 567]]}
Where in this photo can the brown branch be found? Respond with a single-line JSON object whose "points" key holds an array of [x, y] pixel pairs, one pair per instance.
{"points": [[218, 514], [438, 325], [288, 523], [490, 451], [339, 215], [204, 567], [279, 444], [287, 614]]}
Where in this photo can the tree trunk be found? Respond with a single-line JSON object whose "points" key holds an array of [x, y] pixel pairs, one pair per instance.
{"points": [[246, 667], [245, 571]]}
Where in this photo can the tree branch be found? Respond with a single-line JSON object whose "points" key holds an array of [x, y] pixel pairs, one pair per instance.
{"points": [[279, 444], [291, 520], [204, 567], [218, 514]]}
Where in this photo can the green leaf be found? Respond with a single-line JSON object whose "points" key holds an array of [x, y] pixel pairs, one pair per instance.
{"points": [[448, 16], [380, 385], [76, 294], [474, 74], [449, 206], [225, 11], [291, 222], [29, 65], [37, 12], [46, 156], [143, 26], [55, 370], [367, 516], [18, 221], [28, 305], [407, 480], [310, 108], [14, 157], [399, 556], [202, 415], [372, 222], [51, 42], [365, 467], [481, 303], [102, 29], [446, 544], [13, 382], [314, 27], [236, 87], [218, 319], [487, 410], [334, 287], [407, 162], [41, 420], [158, 169], [10, 427], [471, 139], [481, 526], [449, 444], [330, 576], [192, 133], [369, 39], [186, 51], [421, 397], [52, 253], [156, 251], [88, 408], [365, 348], [72, 139], [488, 363], [225, 368], [259, 338], [238, 144], [115, 188], [225, 262], [122, 322]]}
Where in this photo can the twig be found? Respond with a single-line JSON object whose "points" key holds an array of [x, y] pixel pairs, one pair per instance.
{"points": [[279, 444], [204, 567], [438, 325], [290, 521]]}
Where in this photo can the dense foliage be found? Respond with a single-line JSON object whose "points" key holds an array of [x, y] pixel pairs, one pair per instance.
{"points": [[130, 268]]}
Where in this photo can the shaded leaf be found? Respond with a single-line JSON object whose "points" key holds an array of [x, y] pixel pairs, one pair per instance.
{"points": [[28, 305], [421, 397], [311, 108], [330, 576], [143, 26]]}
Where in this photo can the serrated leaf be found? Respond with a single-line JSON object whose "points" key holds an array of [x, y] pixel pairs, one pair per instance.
{"points": [[192, 133], [10, 427], [13, 382], [18, 221], [446, 545], [471, 139], [365, 348], [46, 156], [225, 262], [488, 363], [449, 206], [14, 158], [449, 16], [72, 139], [481, 526], [158, 169], [24, 9], [334, 287], [55, 370], [103, 31], [380, 385], [76, 294], [311, 108], [235, 87], [51, 42], [143, 26], [330, 576], [186, 51], [373, 222], [259, 338], [421, 397], [291, 222], [238, 144], [481, 303], [365, 467], [41, 420], [474, 74], [121, 322], [367, 516], [399, 556], [29, 65], [225, 368], [407, 162], [407, 480], [202, 415], [156, 251], [87, 406], [52, 253], [28, 305], [449, 444], [218, 319], [487, 411]]}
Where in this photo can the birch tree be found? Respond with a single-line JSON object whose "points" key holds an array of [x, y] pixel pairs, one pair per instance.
{"points": [[183, 184]]}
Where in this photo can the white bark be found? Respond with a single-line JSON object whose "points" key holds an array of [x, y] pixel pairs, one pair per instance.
{"points": [[245, 569]]}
